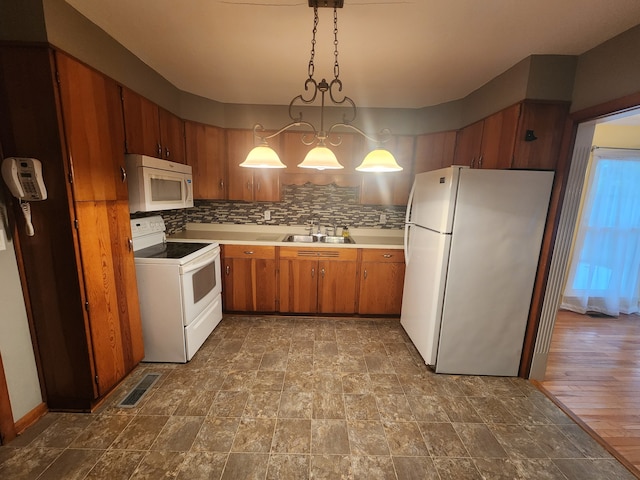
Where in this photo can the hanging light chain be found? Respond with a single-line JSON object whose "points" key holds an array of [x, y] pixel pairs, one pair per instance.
{"points": [[311, 68], [336, 65]]}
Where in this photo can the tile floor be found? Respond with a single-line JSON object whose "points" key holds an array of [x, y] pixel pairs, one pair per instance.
{"points": [[296, 398]]}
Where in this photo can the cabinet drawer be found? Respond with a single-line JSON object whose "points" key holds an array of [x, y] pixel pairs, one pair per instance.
{"points": [[379, 255], [249, 251], [311, 253]]}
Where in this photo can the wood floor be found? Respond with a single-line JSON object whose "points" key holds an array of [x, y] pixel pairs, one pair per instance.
{"points": [[594, 371]]}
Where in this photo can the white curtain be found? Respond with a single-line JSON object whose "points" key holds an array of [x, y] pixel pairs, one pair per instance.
{"points": [[605, 267]]}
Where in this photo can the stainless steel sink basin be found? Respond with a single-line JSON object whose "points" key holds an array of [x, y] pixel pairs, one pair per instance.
{"points": [[332, 239], [300, 238], [316, 238]]}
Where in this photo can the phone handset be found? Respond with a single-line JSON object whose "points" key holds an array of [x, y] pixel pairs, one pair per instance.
{"points": [[24, 178]]}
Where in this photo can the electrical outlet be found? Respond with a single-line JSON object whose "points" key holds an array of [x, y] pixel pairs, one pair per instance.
{"points": [[267, 214], [383, 218]]}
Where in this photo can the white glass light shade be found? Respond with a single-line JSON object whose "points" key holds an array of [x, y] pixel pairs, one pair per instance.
{"points": [[379, 160], [263, 156], [320, 158]]}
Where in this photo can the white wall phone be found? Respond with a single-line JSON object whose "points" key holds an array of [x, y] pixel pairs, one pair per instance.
{"points": [[24, 178]]}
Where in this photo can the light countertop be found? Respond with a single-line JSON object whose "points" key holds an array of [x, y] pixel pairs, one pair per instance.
{"points": [[274, 235]]}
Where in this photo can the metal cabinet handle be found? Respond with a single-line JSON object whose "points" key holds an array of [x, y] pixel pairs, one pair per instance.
{"points": [[167, 152], [159, 150], [221, 184], [123, 174], [313, 272], [130, 244], [387, 255], [480, 161], [258, 185], [322, 272], [248, 252], [227, 270], [365, 274], [248, 184], [473, 161]]}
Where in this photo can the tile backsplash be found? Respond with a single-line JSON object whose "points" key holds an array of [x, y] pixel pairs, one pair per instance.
{"points": [[324, 204]]}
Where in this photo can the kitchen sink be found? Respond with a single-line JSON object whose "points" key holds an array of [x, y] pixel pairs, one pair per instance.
{"points": [[300, 238], [332, 239], [317, 238]]}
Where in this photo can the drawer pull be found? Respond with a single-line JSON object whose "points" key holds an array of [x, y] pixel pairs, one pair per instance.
{"points": [[387, 255], [227, 270], [248, 252], [365, 274]]}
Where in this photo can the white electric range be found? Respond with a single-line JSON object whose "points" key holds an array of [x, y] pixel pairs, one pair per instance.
{"points": [[180, 290]]}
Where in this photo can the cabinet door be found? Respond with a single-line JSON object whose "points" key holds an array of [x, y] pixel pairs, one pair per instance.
{"points": [[266, 185], [469, 144], [249, 280], [127, 287], [141, 124], [93, 127], [381, 282], [434, 151], [205, 153], [391, 188], [171, 136], [250, 184], [239, 143], [95, 232], [337, 286], [298, 284], [547, 122], [498, 139]]}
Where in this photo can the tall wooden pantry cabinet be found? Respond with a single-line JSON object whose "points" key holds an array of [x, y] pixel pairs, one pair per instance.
{"points": [[78, 266]]}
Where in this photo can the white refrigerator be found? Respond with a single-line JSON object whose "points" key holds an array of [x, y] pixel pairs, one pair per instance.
{"points": [[472, 243]]}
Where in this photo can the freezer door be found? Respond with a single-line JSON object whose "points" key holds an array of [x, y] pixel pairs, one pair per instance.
{"points": [[433, 199], [424, 289], [495, 246]]}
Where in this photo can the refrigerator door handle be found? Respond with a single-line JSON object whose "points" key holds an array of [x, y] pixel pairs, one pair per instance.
{"points": [[407, 216], [407, 255]]}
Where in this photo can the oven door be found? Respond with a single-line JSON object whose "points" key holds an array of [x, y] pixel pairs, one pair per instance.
{"points": [[201, 283]]}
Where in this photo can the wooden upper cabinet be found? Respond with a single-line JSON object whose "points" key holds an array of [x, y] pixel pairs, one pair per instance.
{"points": [[469, 144], [205, 148], [546, 121], [391, 188], [90, 103], [434, 151], [498, 139], [141, 124], [172, 136], [250, 184], [151, 130]]}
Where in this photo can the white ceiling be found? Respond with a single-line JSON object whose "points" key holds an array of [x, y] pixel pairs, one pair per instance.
{"points": [[405, 54]]}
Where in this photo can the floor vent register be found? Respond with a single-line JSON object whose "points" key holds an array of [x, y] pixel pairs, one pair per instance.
{"points": [[134, 397]]}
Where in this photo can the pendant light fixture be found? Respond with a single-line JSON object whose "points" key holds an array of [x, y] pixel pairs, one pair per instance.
{"points": [[320, 156]]}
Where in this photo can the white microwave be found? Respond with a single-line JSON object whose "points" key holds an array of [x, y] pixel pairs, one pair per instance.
{"points": [[156, 184]]}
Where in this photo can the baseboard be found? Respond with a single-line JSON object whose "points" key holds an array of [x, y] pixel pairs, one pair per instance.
{"points": [[30, 418]]}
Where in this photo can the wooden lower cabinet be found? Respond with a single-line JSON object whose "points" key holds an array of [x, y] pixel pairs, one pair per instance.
{"points": [[111, 294], [381, 282], [249, 278], [318, 280]]}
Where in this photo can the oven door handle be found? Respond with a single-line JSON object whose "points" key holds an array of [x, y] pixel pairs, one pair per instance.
{"points": [[201, 261]]}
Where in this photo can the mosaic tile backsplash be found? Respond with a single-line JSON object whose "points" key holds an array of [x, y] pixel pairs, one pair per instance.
{"points": [[327, 204]]}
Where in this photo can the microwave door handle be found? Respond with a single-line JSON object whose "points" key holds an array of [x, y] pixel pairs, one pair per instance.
{"points": [[187, 190]]}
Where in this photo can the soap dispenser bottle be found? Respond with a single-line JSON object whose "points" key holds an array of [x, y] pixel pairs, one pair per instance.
{"points": [[345, 232]]}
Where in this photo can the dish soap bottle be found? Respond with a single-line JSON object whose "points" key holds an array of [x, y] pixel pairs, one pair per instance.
{"points": [[345, 232]]}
